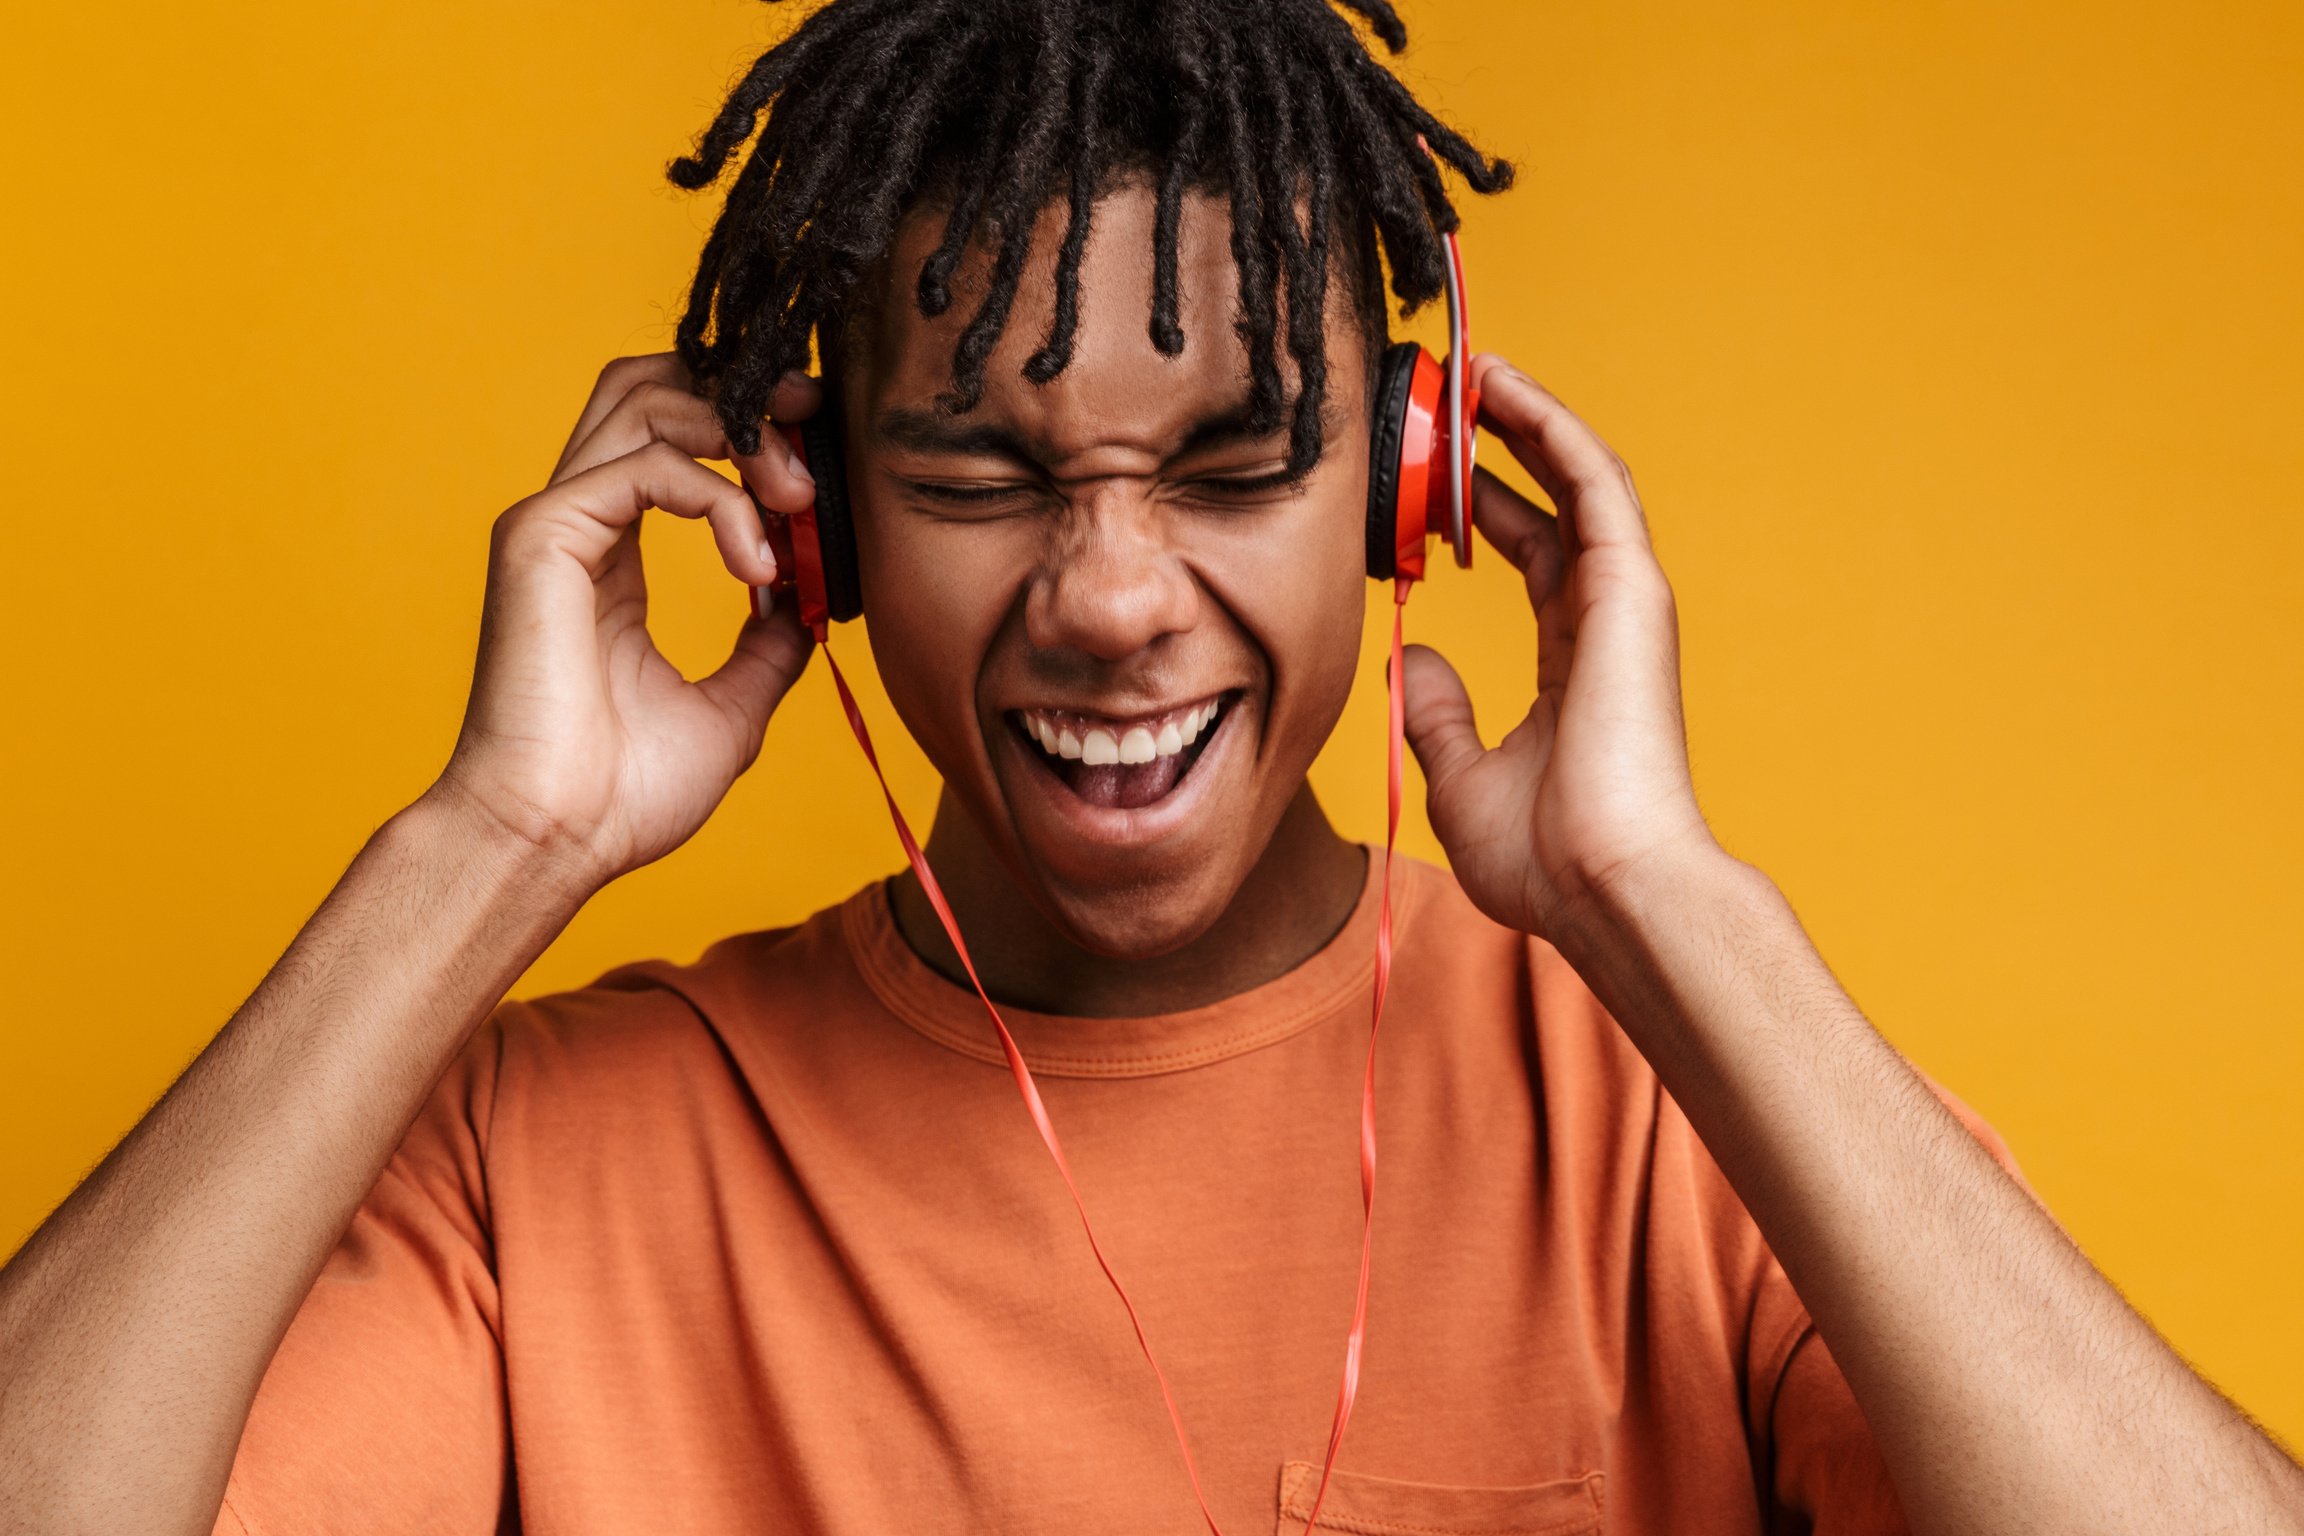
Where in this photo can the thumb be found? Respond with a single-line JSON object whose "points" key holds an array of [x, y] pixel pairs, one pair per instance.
{"points": [[1438, 717], [768, 658]]}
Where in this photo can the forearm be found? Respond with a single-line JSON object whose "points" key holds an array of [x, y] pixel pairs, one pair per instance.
{"points": [[2009, 1386], [136, 1324]]}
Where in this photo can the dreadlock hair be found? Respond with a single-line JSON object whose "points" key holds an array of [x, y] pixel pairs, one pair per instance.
{"points": [[996, 107]]}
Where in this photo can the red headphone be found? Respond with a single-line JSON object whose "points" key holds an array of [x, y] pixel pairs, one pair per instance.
{"points": [[1419, 478]]}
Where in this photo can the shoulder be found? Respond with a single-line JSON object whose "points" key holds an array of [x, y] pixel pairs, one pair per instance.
{"points": [[653, 1034]]}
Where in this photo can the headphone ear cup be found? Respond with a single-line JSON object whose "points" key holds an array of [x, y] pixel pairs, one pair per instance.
{"points": [[826, 448], [1395, 372]]}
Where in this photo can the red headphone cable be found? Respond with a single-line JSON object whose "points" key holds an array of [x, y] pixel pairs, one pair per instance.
{"points": [[1357, 1337]]}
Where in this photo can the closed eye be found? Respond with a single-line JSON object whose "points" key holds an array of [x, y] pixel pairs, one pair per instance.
{"points": [[1002, 493], [971, 494], [1250, 485]]}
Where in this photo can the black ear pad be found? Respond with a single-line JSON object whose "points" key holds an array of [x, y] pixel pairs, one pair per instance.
{"points": [[1395, 372], [827, 449]]}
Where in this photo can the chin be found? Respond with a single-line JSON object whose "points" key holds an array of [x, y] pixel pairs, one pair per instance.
{"points": [[1143, 921]]}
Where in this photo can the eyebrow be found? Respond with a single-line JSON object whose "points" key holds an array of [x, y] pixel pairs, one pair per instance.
{"points": [[934, 432]]}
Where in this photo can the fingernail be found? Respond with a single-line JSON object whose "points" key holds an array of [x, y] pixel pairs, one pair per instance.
{"points": [[768, 558], [800, 468]]}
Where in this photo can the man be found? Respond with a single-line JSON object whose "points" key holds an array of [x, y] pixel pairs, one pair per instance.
{"points": [[766, 1240]]}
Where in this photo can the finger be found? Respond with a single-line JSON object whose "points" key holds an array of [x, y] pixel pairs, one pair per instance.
{"points": [[1582, 474], [796, 397], [616, 381], [1522, 532], [1437, 714], [775, 473], [768, 657], [652, 411], [584, 515], [655, 410]]}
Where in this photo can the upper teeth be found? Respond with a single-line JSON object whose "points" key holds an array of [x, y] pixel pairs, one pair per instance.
{"points": [[1140, 742]]}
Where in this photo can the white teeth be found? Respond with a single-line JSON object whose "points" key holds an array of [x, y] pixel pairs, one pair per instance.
{"points": [[1099, 745]]}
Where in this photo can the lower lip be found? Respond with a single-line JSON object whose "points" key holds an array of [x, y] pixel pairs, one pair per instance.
{"points": [[1112, 826]]}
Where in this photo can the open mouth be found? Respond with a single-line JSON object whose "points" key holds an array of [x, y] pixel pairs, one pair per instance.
{"points": [[1122, 764]]}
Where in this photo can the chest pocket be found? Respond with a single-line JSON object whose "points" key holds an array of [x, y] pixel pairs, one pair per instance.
{"points": [[1383, 1506]]}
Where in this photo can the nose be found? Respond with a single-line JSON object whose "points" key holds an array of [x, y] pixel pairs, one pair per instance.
{"points": [[1109, 585]]}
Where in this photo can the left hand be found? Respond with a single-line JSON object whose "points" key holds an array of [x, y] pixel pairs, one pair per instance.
{"points": [[1594, 781]]}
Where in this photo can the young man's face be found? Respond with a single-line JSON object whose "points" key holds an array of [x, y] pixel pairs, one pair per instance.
{"points": [[1091, 565]]}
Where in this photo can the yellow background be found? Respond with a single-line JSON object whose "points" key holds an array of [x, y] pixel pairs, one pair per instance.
{"points": [[1958, 348]]}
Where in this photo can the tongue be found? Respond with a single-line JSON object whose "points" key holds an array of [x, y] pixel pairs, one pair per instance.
{"points": [[1124, 786]]}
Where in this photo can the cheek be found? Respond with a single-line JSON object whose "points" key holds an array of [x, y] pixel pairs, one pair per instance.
{"points": [[1314, 676], [933, 601], [1300, 591]]}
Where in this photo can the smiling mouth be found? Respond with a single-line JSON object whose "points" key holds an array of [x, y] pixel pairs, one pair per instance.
{"points": [[1122, 764]]}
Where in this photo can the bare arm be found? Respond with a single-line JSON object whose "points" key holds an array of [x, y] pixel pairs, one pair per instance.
{"points": [[136, 1324], [2008, 1385]]}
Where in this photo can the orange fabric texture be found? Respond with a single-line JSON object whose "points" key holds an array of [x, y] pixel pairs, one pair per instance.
{"points": [[767, 1243]]}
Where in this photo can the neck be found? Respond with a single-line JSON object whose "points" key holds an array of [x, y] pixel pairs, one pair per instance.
{"points": [[1295, 899]]}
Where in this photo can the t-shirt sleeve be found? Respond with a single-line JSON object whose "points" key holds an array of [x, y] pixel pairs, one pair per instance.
{"points": [[1828, 1476], [383, 1409]]}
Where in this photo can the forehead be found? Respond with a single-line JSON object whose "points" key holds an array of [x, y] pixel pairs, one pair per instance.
{"points": [[1118, 389]]}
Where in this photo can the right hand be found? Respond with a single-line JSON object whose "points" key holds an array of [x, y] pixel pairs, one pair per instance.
{"points": [[580, 738]]}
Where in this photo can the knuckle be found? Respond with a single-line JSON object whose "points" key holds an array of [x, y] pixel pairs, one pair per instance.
{"points": [[615, 378], [515, 531], [622, 377], [624, 370], [654, 395]]}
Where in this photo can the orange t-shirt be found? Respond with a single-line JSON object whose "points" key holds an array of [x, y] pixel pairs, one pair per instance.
{"points": [[767, 1243]]}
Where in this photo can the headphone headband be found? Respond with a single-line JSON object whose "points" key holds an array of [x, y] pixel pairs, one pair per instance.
{"points": [[1460, 411]]}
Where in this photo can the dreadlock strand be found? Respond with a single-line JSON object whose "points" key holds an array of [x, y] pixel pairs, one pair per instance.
{"points": [[1382, 19], [900, 157], [1250, 249], [1478, 171], [1411, 246], [708, 302], [1025, 176], [1309, 328], [1305, 290], [1056, 351], [1183, 163], [844, 172], [734, 123], [935, 285]]}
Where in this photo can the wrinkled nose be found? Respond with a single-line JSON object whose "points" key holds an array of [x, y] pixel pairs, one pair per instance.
{"points": [[1110, 585]]}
